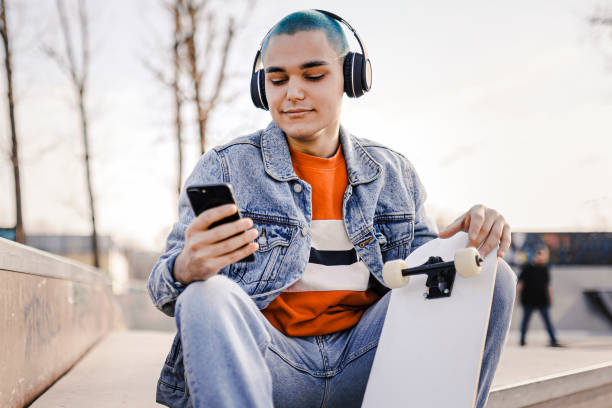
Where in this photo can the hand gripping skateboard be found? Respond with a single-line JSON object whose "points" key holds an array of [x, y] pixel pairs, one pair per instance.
{"points": [[430, 350]]}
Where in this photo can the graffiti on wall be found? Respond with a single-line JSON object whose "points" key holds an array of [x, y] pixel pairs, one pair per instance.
{"points": [[566, 248]]}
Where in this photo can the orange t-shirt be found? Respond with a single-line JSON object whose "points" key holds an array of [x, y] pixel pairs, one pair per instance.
{"points": [[332, 293]]}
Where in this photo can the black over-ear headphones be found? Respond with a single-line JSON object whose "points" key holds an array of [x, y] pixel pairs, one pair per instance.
{"points": [[357, 70]]}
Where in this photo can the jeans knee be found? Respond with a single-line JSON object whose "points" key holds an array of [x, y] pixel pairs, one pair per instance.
{"points": [[202, 295], [505, 286]]}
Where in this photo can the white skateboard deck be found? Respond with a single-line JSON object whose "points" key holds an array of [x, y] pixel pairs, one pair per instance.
{"points": [[430, 350]]}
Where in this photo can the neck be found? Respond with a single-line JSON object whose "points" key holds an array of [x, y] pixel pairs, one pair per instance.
{"points": [[324, 143]]}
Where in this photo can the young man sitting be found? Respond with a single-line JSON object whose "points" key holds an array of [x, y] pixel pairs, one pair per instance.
{"points": [[322, 211]]}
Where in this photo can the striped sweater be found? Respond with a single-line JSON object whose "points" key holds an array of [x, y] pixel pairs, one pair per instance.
{"points": [[332, 293]]}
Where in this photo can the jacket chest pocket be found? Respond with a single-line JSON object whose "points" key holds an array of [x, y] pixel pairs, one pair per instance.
{"points": [[394, 233], [274, 240]]}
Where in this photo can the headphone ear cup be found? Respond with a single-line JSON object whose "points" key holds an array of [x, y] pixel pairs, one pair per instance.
{"points": [[355, 81], [262, 89], [347, 67], [358, 75], [258, 89]]}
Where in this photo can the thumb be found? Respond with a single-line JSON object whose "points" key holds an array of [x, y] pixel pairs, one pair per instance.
{"points": [[452, 229]]}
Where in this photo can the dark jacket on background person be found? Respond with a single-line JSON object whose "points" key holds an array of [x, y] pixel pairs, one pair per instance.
{"points": [[536, 279]]}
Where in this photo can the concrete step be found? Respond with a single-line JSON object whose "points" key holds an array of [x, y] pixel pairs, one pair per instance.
{"points": [[537, 376], [122, 371]]}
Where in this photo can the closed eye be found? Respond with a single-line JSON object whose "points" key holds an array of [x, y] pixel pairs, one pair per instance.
{"points": [[308, 77], [315, 77]]}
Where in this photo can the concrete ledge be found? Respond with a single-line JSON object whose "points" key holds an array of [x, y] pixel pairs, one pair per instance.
{"points": [[552, 387], [52, 311], [16, 257]]}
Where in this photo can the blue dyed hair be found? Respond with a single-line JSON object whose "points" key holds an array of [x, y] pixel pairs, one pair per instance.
{"points": [[310, 20]]}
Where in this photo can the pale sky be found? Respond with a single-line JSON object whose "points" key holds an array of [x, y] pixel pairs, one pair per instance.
{"points": [[508, 104]]}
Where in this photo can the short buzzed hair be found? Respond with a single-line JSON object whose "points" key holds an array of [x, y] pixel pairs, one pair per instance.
{"points": [[310, 20]]}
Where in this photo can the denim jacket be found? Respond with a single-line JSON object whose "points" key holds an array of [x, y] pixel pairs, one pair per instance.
{"points": [[382, 210]]}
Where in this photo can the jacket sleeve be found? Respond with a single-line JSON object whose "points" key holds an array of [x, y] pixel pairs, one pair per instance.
{"points": [[162, 287], [425, 228]]}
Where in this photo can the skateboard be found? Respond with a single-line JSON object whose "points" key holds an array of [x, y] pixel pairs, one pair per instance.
{"points": [[430, 350]]}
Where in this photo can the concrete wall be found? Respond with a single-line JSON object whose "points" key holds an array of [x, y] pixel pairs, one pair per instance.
{"points": [[570, 309], [52, 310], [138, 310]]}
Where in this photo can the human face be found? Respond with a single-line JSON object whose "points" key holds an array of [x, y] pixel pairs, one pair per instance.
{"points": [[542, 256], [304, 87]]}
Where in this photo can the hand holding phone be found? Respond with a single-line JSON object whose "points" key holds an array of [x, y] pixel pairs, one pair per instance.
{"points": [[217, 237]]}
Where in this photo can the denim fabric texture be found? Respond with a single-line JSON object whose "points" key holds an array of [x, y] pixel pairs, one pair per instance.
{"points": [[220, 328]]}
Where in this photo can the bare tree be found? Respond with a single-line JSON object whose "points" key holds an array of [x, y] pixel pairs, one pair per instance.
{"points": [[174, 83], [189, 16], [178, 94], [11, 105], [199, 14], [78, 76]]}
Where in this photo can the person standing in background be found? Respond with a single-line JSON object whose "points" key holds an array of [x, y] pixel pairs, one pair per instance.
{"points": [[535, 293]]}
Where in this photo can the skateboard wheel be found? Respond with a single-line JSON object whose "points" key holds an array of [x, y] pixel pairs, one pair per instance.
{"points": [[392, 274], [466, 262]]}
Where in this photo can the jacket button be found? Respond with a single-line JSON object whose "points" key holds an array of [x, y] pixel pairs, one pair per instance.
{"points": [[297, 188]]}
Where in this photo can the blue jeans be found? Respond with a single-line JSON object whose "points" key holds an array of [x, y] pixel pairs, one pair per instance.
{"points": [[234, 357], [527, 311]]}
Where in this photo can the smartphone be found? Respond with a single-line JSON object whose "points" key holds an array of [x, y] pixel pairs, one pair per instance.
{"points": [[205, 197]]}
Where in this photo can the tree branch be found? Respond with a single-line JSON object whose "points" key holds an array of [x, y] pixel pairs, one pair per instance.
{"points": [[157, 73], [59, 60], [61, 10], [210, 39], [221, 77], [85, 45]]}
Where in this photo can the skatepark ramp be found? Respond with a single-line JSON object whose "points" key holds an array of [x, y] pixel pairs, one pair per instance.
{"points": [[52, 311]]}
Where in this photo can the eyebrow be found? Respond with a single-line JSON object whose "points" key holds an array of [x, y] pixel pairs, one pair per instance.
{"points": [[306, 65]]}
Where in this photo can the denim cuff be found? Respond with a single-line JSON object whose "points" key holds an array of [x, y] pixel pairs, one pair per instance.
{"points": [[168, 288], [170, 268]]}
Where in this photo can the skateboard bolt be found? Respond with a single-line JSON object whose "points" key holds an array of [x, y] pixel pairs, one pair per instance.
{"points": [[446, 291]]}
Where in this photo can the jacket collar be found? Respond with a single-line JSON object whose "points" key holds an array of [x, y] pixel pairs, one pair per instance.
{"points": [[361, 167]]}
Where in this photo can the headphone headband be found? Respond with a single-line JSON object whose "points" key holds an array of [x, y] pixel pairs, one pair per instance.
{"points": [[350, 27], [357, 69]]}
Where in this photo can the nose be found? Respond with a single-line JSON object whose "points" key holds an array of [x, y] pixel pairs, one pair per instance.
{"points": [[294, 90]]}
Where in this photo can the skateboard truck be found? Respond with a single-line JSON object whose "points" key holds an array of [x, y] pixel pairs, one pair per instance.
{"points": [[440, 276]]}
